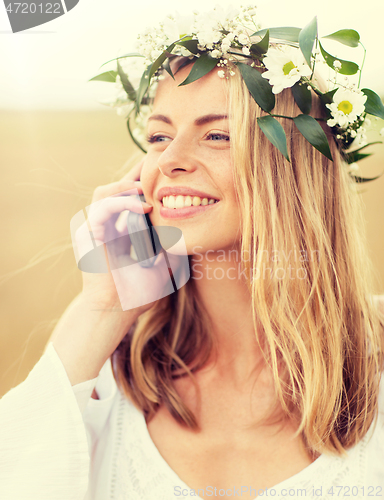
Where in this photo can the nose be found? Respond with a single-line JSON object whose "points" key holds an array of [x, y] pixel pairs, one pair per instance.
{"points": [[177, 158]]}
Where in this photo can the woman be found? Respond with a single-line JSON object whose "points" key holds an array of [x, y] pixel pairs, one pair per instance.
{"points": [[259, 376]]}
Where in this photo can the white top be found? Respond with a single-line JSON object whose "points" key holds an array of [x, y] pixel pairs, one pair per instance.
{"points": [[57, 443]]}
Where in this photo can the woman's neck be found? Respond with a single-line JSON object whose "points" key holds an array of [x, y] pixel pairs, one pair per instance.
{"points": [[225, 295]]}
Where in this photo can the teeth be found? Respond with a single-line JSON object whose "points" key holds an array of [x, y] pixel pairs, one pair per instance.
{"points": [[171, 202], [180, 201]]}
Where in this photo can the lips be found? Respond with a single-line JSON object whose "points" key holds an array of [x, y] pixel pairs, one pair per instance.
{"points": [[186, 212]]}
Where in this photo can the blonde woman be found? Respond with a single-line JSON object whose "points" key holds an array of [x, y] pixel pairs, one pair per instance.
{"points": [[260, 376]]}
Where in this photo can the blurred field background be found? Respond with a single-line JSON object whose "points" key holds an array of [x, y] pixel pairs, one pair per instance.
{"points": [[50, 163]]}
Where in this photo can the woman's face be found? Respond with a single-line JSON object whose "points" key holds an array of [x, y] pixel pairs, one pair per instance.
{"points": [[189, 158]]}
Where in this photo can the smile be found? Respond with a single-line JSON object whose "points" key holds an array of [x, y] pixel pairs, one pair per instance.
{"points": [[186, 211], [180, 201]]}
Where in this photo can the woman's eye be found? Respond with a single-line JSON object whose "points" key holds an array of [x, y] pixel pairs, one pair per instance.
{"points": [[156, 138], [215, 136]]}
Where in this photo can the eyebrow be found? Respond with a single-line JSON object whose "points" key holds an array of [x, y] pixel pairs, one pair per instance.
{"points": [[202, 120]]}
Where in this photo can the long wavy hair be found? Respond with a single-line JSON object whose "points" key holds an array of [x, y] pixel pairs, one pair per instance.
{"points": [[319, 331]]}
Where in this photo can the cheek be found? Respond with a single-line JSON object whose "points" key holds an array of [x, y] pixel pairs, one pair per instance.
{"points": [[147, 176]]}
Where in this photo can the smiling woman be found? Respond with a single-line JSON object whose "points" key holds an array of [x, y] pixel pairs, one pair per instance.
{"points": [[189, 149], [260, 375]]}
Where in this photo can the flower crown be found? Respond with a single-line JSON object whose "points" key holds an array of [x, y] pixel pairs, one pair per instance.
{"points": [[223, 38]]}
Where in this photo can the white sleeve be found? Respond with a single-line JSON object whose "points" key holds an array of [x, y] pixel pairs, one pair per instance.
{"points": [[44, 451], [375, 446], [83, 392]]}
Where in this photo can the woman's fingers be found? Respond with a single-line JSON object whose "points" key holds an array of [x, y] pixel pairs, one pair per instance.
{"points": [[134, 173], [123, 186], [104, 210], [129, 184], [111, 204]]}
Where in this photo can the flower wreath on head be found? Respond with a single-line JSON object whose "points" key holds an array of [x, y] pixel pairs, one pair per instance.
{"points": [[221, 38]]}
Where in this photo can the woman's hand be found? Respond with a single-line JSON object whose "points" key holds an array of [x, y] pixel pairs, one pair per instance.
{"points": [[95, 323], [108, 202]]}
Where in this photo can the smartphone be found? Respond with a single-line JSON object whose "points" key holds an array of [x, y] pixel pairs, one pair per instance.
{"points": [[144, 237]]}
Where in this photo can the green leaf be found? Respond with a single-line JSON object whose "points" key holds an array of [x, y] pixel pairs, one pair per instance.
{"points": [[143, 87], [274, 133], [149, 72], [346, 37], [285, 33], [366, 179], [133, 137], [347, 67], [258, 87], [327, 97], [373, 104], [187, 62], [260, 48], [203, 65], [128, 87], [366, 145], [302, 96], [132, 54], [108, 76], [168, 69], [159, 61], [307, 38], [191, 45], [314, 134], [353, 157]]}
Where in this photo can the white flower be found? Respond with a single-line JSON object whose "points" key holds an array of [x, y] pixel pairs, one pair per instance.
{"points": [[224, 17], [337, 64], [353, 169], [347, 106], [221, 73], [225, 47], [216, 53], [367, 122], [285, 67], [208, 37], [361, 138], [177, 26], [230, 37], [245, 51], [353, 133], [243, 39]]}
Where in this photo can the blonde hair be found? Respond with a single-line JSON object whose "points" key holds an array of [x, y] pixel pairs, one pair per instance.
{"points": [[320, 333]]}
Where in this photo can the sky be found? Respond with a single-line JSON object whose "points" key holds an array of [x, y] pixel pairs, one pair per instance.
{"points": [[47, 67]]}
